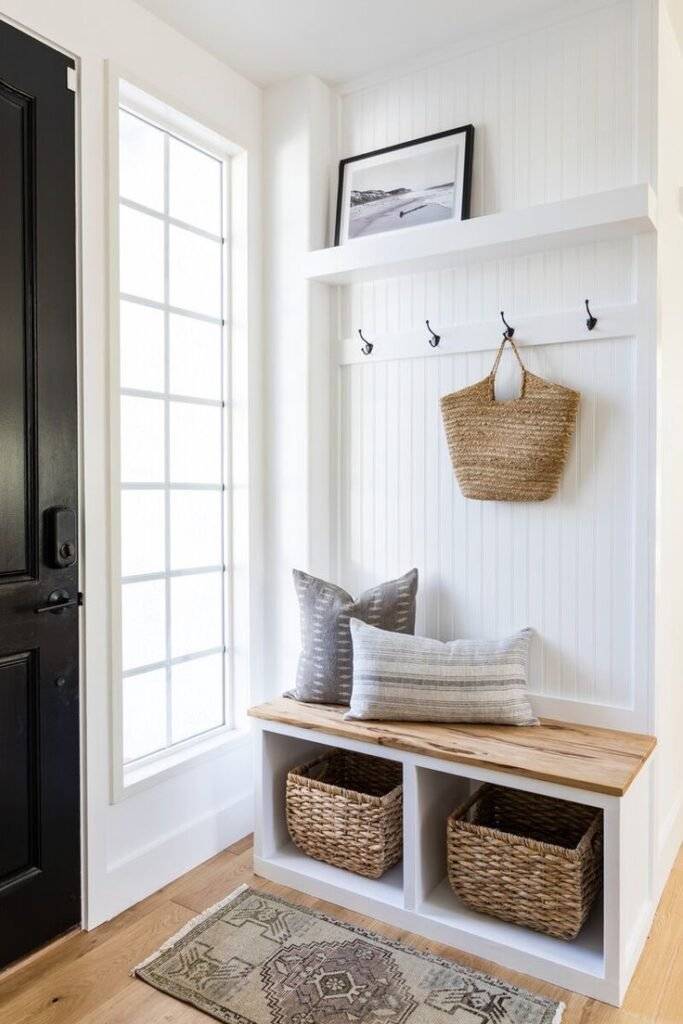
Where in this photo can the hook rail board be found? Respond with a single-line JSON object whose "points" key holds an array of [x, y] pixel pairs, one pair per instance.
{"points": [[551, 329]]}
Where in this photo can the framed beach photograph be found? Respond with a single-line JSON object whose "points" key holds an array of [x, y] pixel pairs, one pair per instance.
{"points": [[417, 182]]}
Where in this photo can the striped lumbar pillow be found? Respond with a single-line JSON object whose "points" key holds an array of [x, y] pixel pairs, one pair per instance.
{"points": [[414, 679]]}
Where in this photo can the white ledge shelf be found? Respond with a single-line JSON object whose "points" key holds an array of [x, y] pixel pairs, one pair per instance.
{"points": [[597, 217]]}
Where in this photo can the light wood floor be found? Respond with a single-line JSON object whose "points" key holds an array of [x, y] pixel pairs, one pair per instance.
{"points": [[84, 979]]}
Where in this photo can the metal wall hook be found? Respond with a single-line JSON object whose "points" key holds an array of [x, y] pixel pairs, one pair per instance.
{"points": [[592, 320], [367, 348], [435, 338], [509, 331]]}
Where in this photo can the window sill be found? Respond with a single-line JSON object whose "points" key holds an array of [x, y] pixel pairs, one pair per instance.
{"points": [[136, 777]]}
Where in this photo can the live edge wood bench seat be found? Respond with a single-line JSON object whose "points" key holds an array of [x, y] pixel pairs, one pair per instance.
{"points": [[582, 756]]}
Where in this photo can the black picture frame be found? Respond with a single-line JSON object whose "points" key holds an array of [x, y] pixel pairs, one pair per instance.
{"points": [[467, 129]]}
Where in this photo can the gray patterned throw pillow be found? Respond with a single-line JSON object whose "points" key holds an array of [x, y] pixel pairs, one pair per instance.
{"points": [[325, 668], [414, 679]]}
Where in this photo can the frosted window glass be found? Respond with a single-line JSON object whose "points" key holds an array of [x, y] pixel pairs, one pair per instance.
{"points": [[195, 272], [142, 347], [196, 448], [142, 532], [196, 613], [195, 187], [196, 697], [196, 534], [141, 162], [144, 714], [195, 358], [143, 613], [142, 440], [141, 246]]}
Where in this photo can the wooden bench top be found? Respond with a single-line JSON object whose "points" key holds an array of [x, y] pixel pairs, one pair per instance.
{"points": [[599, 760]]}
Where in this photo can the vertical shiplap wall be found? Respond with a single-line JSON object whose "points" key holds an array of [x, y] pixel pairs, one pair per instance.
{"points": [[555, 116], [553, 110]]}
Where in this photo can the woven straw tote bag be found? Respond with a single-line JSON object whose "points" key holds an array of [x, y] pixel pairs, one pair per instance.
{"points": [[513, 450]]}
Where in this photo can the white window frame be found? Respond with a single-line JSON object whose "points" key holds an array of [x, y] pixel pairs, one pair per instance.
{"points": [[154, 767]]}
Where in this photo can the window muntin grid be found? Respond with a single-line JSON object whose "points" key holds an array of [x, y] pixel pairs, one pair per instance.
{"points": [[173, 484]]}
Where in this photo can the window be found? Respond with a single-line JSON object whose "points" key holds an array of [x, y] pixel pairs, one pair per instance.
{"points": [[174, 440]]}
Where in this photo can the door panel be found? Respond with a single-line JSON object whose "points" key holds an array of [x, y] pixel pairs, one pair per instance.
{"points": [[39, 687], [17, 287], [18, 766]]}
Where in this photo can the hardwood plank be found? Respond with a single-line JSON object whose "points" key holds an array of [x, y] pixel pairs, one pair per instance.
{"points": [[96, 988], [69, 992], [597, 760], [215, 884], [33, 969]]}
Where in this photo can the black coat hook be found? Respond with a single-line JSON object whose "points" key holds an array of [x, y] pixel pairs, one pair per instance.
{"points": [[592, 320], [435, 338], [509, 331], [367, 348]]}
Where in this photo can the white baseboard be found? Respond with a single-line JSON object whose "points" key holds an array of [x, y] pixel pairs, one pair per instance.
{"points": [[669, 840], [149, 868]]}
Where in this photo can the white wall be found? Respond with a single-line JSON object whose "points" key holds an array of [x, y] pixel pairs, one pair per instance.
{"points": [[669, 554], [297, 150], [552, 107], [138, 845], [559, 110]]}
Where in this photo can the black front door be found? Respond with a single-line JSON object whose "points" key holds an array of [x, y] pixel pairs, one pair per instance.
{"points": [[39, 723]]}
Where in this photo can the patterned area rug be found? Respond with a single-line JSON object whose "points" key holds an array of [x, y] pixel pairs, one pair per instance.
{"points": [[257, 959]]}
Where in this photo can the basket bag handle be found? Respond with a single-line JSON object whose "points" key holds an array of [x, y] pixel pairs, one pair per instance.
{"points": [[496, 364]]}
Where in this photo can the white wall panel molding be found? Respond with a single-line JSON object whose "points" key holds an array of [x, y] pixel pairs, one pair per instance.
{"points": [[570, 567]]}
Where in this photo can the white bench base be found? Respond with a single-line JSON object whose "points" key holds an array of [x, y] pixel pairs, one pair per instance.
{"points": [[415, 895]]}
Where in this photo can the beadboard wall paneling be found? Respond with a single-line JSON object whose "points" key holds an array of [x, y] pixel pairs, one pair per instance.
{"points": [[545, 282], [567, 566], [556, 115], [553, 110]]}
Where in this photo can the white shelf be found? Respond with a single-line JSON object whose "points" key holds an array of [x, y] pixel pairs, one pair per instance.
{"points": [[600, 216], [584, 953], [387, 889]]}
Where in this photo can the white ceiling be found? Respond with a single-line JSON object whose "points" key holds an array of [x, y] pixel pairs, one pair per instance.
{"points": [[337, 40]]}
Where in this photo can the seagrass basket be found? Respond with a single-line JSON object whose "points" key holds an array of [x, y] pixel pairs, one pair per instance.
{"points": [[347, 809], [510, 450], [526, 858]]}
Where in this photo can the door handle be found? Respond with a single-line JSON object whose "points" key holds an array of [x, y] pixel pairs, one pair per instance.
{"points": [[58, 600]]}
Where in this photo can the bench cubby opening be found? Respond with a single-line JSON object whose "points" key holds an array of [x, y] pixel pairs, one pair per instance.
{"points": [[438, 793], [280, 753]]}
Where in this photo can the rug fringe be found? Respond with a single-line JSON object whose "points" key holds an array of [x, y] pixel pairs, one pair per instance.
{"points": [[188, 927], [559, 1013]]}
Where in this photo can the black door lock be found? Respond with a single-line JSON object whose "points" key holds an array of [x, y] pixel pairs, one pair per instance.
{"points": [[61, 537]]}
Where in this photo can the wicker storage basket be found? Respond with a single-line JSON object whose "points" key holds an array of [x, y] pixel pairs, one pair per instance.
{"points": [[526, 858], [513, 450], [347, 809]]}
